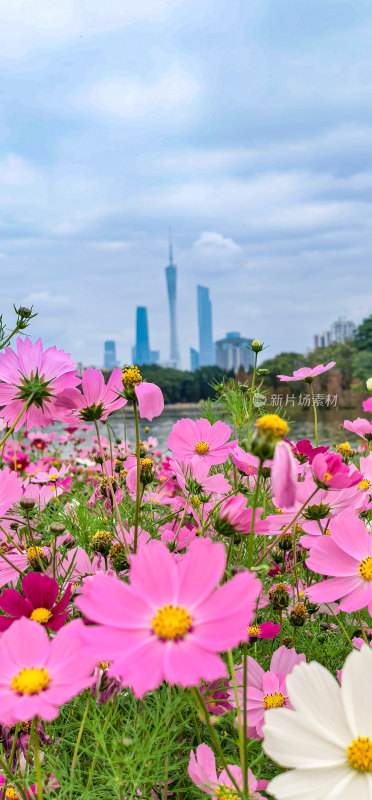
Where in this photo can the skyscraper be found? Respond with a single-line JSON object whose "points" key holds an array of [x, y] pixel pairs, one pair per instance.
{"points": [[171, 276], [207, 353], [142, 347], [109, 355], [234, 352]]}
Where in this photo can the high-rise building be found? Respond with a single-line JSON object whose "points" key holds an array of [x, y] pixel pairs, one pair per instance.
{"points": [[234, 352], [171, 276], [109, 355], [141, 353], [341, 330], [194, 359], [207, 354]]}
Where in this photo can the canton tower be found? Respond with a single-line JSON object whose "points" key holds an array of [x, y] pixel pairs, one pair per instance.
{"points": [[171, 276]]}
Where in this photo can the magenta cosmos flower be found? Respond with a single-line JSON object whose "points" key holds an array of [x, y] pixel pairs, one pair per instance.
{"points": [[48, 376], [202, 771], [11, 489], [38, 674], [39, 602], [194, 440], [346, 555], [307, 373], [330, 470], [170, 622], [98, 399]]}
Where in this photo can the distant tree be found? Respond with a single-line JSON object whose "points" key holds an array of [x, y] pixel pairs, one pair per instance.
{"points": [[362, 365], [363, 335], [283, 364], [342, 354]]}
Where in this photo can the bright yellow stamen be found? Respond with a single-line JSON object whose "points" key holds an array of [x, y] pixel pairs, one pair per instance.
{"points": [[364, 485], [365, 568], [146, 462], [30, 680], [327, 476], [11, 794], [271, 423], [104, 665], [224, 792], [254, 630], [344, 449], [202, 448], [34, 552], [171, 621], [41, 615], [130, 376], [359, 754], [102, 536], [327, 532], [53, 476], [275, 700]]}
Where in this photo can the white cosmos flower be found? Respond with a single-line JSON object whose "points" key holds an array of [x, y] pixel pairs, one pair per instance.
{"points": [[327, 737]]}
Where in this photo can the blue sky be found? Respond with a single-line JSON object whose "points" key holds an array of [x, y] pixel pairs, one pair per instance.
{"points": [[245, 125]]}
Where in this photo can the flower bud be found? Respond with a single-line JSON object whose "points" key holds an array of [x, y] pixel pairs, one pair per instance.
{"points": [[298, 615], [118, 557], [57, 528], [316, 512], [269, 429], [279, 596], [131, 376], [263, 371], [101, 542], [286, 542], [256, 346], [27, 503], [147, 471], [369, 384]]}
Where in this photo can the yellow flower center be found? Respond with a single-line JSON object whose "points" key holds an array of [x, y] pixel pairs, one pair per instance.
{"points": [[146, 462], [102, 536], [202, 448], [11, 794], [327, 476], [365, 568], [34, 552], [275, 700], [41, 615], [271, 423], [130, 376], [224, 792], [359, 754], [30, 680], [344, 449], [171, 621], [104, 665], [364, 485], [53, 476], [254, 630]]}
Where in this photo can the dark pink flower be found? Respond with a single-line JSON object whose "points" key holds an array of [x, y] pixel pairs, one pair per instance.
{"points": [[39, 602], [48, 376], [367, 404], [265, 630], [307, 373], [304, 451]]}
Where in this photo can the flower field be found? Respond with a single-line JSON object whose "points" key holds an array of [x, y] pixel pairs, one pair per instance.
{"points": [[182, 622]]}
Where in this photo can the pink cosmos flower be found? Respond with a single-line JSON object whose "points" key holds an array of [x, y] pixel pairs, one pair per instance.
{"points": [[194, 440], [265, 630], [39, 602], [16, 562], [266, 689], [150, 400], [48, 786], [49, 375], [328, 504], [247, 462], [169, 623], [38, 674], [179, 538], [284, 475], [361, 427], [330, 470], [98, 399], [202, 771], [346, 555], [10, 490], [234, 516], [367, 404], [307, 373], [304, 451]]}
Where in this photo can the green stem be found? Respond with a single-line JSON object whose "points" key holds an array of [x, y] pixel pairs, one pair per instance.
{"points": [[254, 507], [251, 397], [78, 740], [336, 616], [109, 481], [138, 486], [315, 415], [297, 515], [94, 761], [361, 627], [200, 704], [39, 781], [10, 431]]}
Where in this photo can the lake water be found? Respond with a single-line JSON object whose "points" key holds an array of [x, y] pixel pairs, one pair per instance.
{"points": [[300, 421]]}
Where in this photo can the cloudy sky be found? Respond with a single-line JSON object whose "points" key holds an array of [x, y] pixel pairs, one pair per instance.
{"points": [[244, 125]]}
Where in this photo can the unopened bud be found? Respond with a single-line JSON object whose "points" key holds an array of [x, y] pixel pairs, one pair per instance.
{"points": [[256, 346], [298, 615], [27, 503], [57, 528]]}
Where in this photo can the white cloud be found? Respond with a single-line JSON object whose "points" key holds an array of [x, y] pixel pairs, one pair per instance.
{"points": [[41, 298], [28, 25], [210, 240], [128, 97]]}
